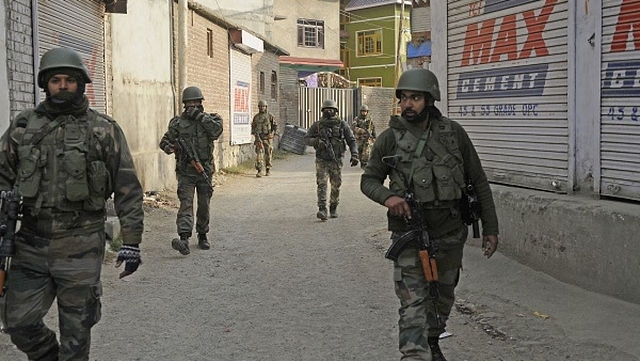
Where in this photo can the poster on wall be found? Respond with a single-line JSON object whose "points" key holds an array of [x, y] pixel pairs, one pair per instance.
{"points": [[240, 98]]}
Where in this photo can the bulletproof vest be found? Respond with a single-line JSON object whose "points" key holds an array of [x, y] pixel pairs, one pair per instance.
{"points": [[332, 128], [263, 123], [431, 165], [364, 123], [60, 165], [193, 132]]}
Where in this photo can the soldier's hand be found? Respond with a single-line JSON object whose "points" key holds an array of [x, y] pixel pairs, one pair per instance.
{"points": [[168, 149], [398, 207], [130, 256], [195, 113], [215, 116], [354, 161], [489, 245]]}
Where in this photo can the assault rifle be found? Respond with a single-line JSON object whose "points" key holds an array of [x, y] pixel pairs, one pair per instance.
{"points": [[325, 140], [9, 216], [470, 209], [417, 234], [259, 141], [190, 156]]}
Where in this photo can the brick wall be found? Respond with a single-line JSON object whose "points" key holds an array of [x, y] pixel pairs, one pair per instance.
{"points": [[20, 56], [381, 102], [289, 96], [267, 63]]}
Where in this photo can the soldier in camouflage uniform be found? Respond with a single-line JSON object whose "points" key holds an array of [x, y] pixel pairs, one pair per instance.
{"points": [[199, 130], [365, 133], [436, 157], [328, 137], [264, 128], [65, 160]]}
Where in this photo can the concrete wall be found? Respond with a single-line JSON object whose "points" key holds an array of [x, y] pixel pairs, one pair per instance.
{"points": [[285, 31], [142, 93], [255, 15], [593, 243]]}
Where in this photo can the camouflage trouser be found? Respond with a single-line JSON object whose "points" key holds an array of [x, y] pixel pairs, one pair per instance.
{"points": [[264, 154], [417, 316], [363, 151], [66, 268], [331, 170], [187, 186]]}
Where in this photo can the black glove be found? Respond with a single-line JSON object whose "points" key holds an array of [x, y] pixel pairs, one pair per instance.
{"points": [[168, 149], [215, 116], [130, 255], [354, 161], [195, 113]]}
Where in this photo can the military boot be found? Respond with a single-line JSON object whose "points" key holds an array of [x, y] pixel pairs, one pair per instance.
{"points": [[333, 211], [436, 353], [258, 175], [181, 245], [322, 213], [267, 172], [203, 243]]}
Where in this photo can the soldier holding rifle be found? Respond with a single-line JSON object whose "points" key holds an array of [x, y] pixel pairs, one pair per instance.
{"points": [[427, 157], [190, 137]]}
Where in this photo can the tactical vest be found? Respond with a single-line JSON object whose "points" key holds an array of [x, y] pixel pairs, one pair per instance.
{"points": [[364, 123], [194, 133], [432, 165], [335, 134], [263, 124], [60, 165]]}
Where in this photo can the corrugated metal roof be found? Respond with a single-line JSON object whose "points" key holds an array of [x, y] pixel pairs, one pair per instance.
{"points": [[363, 4]]}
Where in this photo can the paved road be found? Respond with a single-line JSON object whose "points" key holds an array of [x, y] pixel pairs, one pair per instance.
{"points": [[279, 284]]}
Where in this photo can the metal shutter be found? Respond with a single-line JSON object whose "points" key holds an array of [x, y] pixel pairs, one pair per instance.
{"points": [[77, 24], [507, 81], [421, 19], [620, 100]]}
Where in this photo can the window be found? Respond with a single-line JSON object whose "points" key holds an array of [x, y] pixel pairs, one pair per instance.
{"points": [[370, 82], [369, 42], [210, 43], [311, 33], [274, 85], [261, 82]]}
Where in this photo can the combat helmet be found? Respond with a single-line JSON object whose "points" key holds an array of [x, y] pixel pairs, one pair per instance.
{"points": [[192, 93], [61, 58], [364, 107], [262, 103], [329, 103], [421, 80]]}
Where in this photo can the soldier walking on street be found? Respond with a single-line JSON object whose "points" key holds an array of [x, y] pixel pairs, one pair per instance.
{"points": [[432, 157], [365, 133], [328, 136], [197, 130], [264, 127], [65, 159]]}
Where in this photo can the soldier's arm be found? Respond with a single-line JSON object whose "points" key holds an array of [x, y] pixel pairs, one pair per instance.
{"points": [[127, 190], [9, 151], [372, 180], [169, 136], [311, 138], [350, 138], [212, 124]]}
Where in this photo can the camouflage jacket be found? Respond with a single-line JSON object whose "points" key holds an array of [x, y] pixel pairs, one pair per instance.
{"points": [[365, 123], [328, 137], [199, 134], [264, 124], [65, 167]]}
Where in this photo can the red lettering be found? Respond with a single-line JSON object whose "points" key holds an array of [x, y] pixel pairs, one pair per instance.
{"points": [[628, 22], [477, 43], [535, 29], [91, 68], [506, 42], [475, 8]]}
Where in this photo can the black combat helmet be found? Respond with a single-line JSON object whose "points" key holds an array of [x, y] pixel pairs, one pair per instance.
{"points": [[192, 93], [61, 58], [419, 80]]}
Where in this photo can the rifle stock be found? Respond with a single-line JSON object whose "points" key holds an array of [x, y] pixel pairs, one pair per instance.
{"points": [[190, 156]]}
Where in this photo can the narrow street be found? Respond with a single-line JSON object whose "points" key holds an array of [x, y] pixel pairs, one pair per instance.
{"points": [[278, 284]]}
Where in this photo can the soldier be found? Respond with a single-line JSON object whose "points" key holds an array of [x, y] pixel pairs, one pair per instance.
{"points": [[328, 137], [198, 129], [264, 128], [365, 133], [65, 159], [435, 156]]}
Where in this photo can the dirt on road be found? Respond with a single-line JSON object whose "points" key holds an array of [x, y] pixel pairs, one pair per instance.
{"points": [[279, 284]]}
